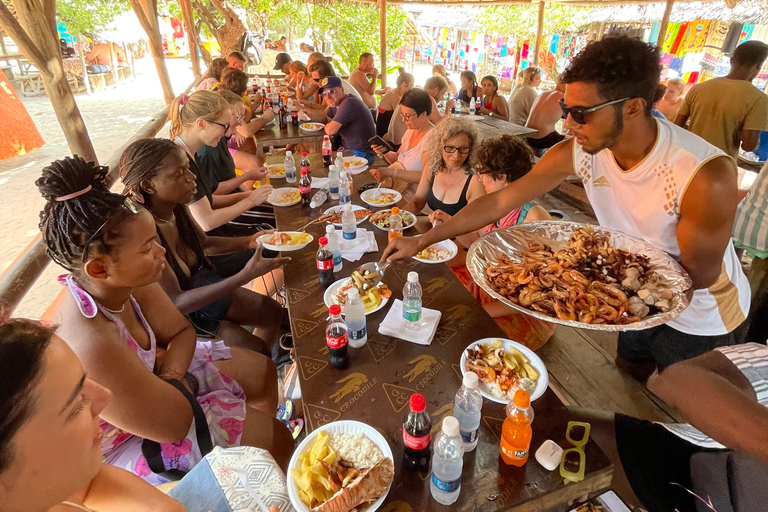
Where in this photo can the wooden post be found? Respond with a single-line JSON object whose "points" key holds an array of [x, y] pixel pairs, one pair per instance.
{"points": [[3, 50], [113, 61], [81, 54], [539, 34], [664, 23], [383, 41], [146, 12], [189, 26]]}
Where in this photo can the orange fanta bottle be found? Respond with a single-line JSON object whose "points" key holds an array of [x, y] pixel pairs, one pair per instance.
{"points": [[516, 431]]}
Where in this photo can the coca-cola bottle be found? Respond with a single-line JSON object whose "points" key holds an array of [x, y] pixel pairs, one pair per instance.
{"points": [[305, 188], [416, 434], [337, 337], [294, 114], [327, 150], [324, 263], [305, 165]]}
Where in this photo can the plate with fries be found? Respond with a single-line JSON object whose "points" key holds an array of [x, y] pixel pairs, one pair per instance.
{"points": [[276, 171], [311, 127], [285, 241], [285, 196], [308, 479], [438, 253], [355, 162], [381, 197], [503, 365], [374, 297]]}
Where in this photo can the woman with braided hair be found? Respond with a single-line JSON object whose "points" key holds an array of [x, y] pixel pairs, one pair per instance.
{"points": [[132, 340], [204, 275]]}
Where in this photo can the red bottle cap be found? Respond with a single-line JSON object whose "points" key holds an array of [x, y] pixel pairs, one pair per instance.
{"points": [[418, 402], [303, 153], [323, 241], [335, 309]]}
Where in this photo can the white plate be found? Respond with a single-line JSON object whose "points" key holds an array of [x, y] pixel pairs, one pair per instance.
{"points": [[331, 292], [272, 175], [405, 226], [445, 244], [372, 193], [356, 162], [354, 209], [533, 360], [283, 248], [276, 193], [341, 427], [311, 127]]}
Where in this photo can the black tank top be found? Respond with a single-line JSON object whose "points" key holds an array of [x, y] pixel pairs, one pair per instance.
{"points": [[451, 209]]}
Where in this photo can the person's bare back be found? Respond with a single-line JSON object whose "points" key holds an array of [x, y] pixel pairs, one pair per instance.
{"points": [[359, 81], [546, 112]]}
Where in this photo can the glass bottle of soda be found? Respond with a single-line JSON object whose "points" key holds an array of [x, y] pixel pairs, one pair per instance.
{"points": [[324, 263], [327, 150], [281, 113], [306, 165], [305, 188], [294, 115], [416, 434], [337, 337]]}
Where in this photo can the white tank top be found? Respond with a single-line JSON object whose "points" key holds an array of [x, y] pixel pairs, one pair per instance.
{"points": [[645, 202]]}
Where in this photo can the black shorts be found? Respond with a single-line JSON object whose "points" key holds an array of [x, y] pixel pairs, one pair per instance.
{"points": [[653, 458], [664, 345], [546, 141]]}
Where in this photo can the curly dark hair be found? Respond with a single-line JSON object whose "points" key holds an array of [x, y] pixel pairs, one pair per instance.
{"points": [[234, 80], [507, 157], [620, 67], [217, 67]]}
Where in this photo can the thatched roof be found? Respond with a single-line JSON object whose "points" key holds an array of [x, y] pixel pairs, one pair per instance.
{"points": [[414, 34], [459, 17], [746, 11]]}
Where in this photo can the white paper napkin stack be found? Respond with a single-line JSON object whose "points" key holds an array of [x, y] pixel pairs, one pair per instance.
{"points": [[394, 325], [353, 250]]}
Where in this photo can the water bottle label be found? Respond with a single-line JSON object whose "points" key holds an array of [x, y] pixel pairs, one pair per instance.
{"points": [[412, 316], [334, 190], [350, 235], [442, 485], [324, 264], [337, 259], [342, 197], [358, 334], [469, 437], [334, 342], [416, 443]]}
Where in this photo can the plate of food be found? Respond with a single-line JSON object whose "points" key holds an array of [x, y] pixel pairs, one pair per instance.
{"points": [[580, 275], [438, 253], [355, 161], [381, 197], [374, 297], [285, 241], [286, 196], [311, 127], [380, 219], [340, 467], [503, 366], [276, 171], [333, 214]]}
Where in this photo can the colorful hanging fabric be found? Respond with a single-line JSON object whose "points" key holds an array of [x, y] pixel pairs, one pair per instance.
{"points": [[716, 35], [555, 43], [655, 29], [746, 33], [675, 50], [669, 38]]}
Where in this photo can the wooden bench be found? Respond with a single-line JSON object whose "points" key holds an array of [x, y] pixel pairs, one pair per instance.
{"points": [[31, 83]]}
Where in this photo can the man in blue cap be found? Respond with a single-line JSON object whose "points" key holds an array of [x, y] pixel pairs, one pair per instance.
{"points": [[346, 116]]}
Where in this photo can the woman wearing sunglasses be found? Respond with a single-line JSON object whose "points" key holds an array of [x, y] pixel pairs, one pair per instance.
{"points": [[132, 340], [447, 184]]}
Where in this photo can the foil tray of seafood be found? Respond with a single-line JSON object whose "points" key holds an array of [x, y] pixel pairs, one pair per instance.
{"points": [[580, 275]]}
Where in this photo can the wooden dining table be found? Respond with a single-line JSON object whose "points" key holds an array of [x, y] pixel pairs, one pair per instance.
{"points": [[273, 135], [386, 371]]}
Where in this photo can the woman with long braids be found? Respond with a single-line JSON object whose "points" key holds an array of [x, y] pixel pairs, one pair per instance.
{"points": [[132, 340], [204, 275]]}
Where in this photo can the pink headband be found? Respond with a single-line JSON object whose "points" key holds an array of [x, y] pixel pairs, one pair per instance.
{"points": [[74, 194]]}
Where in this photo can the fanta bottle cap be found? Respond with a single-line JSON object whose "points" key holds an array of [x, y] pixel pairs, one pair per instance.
{"points": [[395, 211], [470, 380], [335, 310], [522, 399], [323, 241], [418, 403], [450, 426]]}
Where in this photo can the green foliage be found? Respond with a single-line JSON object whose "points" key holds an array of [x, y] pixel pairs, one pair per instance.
{"points": [[520, 20], [81, 16]]}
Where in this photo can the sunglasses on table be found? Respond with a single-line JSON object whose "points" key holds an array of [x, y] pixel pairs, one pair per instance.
{"points": [[463, 150], [579, 114], [127, 206], [574, 462]]}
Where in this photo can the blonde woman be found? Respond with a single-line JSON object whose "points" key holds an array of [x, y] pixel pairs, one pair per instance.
{"points": [[523, 96], [439, 70]]}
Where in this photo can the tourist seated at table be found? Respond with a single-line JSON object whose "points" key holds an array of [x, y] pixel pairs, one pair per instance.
{"points": [[435, 86], [281, 44], [546, 112], [523, 95], [204, 275], [236, 60], [241, 143], [283, 63], [212, 76], [721, 454], [50, 462], [100, 55], [322, 69], [493, 104], [500, 162], [407, 163], [345, 117], [237, 82], [132, 340], [469, 88], [447, 183], [661, 89], [390, 101], [199, 119], [311, 91], [359, 78], [439, 70], [673, 98], [300, 79]]}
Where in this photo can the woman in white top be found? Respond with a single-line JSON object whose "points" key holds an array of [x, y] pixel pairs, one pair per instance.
{"points": [[407, 163], [522, 98]]}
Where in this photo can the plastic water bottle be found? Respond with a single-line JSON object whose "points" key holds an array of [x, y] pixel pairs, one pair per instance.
{"points": [[290, 168], [412, 302], [345, 196], [447, 463], [354, 315], [472, 106], [335, 248], [319, 198], [333, 182], [349, 226], [339, 162], [466, 409], [395, 227]]}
